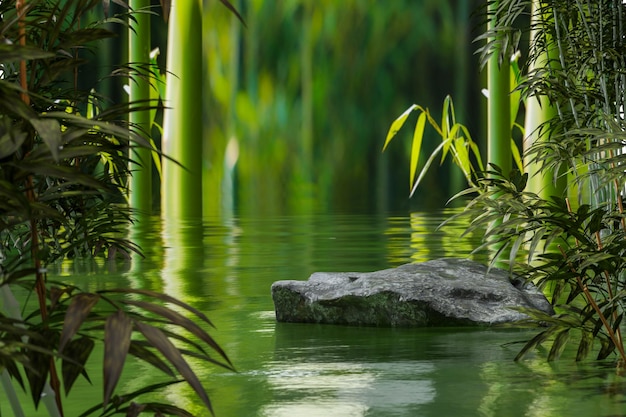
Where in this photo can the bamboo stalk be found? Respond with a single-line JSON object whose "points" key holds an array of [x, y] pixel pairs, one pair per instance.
{"points": [[181, 194], [498, 104], [140, 183]]}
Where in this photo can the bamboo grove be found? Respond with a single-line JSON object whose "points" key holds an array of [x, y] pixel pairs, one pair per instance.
{"points": [[568, 240]]}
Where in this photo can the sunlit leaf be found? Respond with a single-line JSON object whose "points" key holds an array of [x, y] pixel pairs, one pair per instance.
{"points": [[416, 146], [117, 332], [397, 124]]}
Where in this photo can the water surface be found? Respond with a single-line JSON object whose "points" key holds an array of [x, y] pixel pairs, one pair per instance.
{"points": [[226, 268]]}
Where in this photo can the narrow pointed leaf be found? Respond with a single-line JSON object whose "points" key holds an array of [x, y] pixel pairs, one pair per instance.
{"points": [[140, 352], [585, 345], [180, 320], [416, 146], [76, 313], [397, 125], [163, 297], [50, 131], [558, 345], [77, 352], [172, 354], [117, 332]]}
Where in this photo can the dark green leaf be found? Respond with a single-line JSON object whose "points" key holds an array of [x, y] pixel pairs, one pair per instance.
{"points": [[117, 332], [558, 345], [139, 351], [173, 355], [585, 345], [76, 352], [180, 320], [50, 131], [76, 313], [37, 373]]}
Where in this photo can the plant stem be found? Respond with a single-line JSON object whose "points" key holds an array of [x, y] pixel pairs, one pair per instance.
{"points": [[499, 105], [617, 342], [181, 195], [140, 182], [40, 285]]}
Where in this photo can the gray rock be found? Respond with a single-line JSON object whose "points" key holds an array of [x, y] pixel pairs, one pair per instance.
{"points": [[442, 292]]}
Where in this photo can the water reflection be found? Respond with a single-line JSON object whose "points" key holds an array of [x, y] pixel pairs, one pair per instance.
{"points": [[226, 268]]}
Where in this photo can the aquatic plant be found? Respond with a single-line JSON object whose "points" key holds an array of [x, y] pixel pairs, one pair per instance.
{"points": [[64, 167], [573, 251]]}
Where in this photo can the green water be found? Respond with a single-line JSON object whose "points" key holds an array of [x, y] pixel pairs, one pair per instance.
{"points": [[225, 268]]}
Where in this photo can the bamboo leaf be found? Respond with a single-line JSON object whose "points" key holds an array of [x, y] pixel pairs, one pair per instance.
{"points": [[163, 297], [397, 125], [139, 351], [416, 146], [50, 131], [230, 7], [180, 320], [117, 332], [427, 165], [129, 397], [558, 345], [76, 313], [585, 345], [37, 373], [534, 342], [76, 352], [173, 355]]}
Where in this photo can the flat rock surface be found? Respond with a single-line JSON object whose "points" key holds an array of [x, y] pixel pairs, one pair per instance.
{"points": [[442, 292]]}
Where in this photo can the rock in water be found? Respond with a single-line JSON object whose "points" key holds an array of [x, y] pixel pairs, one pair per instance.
{"points": [[442, 292]]}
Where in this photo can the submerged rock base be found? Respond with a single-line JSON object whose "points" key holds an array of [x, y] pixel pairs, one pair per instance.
{"points": [[442, 292]]}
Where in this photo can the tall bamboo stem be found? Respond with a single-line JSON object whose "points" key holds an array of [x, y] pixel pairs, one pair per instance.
{"points": [[183, 126], [498, 104], [140, 184]]}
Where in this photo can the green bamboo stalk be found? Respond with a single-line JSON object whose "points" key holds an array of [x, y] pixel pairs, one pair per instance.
{"points": [[538, 112], [140, 184], [183, 127], [498, 105]]}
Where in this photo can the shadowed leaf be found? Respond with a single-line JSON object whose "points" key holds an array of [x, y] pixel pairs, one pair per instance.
{"points": [[130, 396], [37, 373], [163, 297], [586, 343], [558, 345], [77, 352], [76, 313], [50, 132], [117, 332], [180, 320], [136, 349], [230, 7], [172, 354]]}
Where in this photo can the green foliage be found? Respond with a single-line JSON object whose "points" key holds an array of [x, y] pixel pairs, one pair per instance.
{"points": [[576, 255], [64, 167], [455, 140]]}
